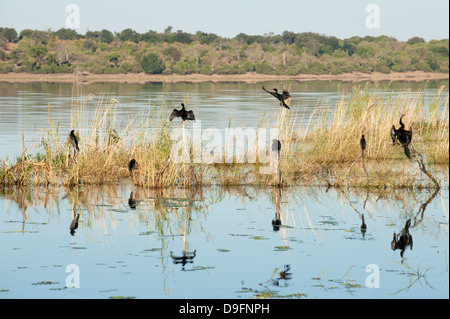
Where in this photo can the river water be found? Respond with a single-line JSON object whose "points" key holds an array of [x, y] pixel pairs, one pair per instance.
{"points": [[298, 242]]}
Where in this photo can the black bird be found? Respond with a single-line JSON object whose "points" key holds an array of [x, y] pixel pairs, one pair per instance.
{"points": [[132, 166], [403, 136], [280, 97], [363, 144], [276, 146], [394, 134], [74, 140], [185, 115]]}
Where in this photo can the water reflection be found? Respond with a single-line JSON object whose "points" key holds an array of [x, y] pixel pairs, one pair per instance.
{"points": [[283, 276], [132, 202], [222, 236], [363, 226], [186, 257], [276, 222], [74, 224], [403, 239]]}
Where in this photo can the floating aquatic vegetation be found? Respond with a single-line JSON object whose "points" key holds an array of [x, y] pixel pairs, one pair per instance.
{"points": [[43, 283], [282, 248]]}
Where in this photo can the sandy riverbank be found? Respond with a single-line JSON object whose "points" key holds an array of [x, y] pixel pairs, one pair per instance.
{"points": [[249, 77]]}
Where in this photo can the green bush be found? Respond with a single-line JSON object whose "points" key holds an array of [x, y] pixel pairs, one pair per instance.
{"points": [[227, 69], [247, 66], [382, 66], [263, 68], [206, 69], [6, 67], [152, 64]]}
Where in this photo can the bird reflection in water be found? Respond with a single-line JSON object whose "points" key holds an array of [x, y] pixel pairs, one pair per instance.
{"points": [[276, 222], [402, 240], [363, 226], [283, 276], [132, 202], [74, 224], [187, 257]]}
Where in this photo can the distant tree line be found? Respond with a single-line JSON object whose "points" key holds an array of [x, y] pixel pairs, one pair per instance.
{"points": [[178, 52]]}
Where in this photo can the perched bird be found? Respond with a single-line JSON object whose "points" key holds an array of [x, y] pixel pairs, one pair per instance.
{"points": [[74, 140], [283, 97], [394, 134], [276, 146], [132, 166], [363, 144], [402, 136], [185, 115]]}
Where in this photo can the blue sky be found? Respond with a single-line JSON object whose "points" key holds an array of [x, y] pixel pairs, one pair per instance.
{"points": [[400, 19]]}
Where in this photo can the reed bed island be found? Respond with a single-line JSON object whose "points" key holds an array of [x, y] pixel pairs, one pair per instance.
{"points": [[324, 152]]}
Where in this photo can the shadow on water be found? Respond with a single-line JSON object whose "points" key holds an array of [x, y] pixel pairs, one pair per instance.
{"points": [[235, 234]]}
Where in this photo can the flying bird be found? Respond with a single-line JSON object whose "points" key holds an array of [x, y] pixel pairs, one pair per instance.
{"points": [[283, 97], [185, 115]]}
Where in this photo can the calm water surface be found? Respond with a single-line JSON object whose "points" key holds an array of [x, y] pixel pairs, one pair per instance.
{"points": [[235, 247], [236, 243]]}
